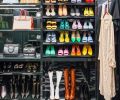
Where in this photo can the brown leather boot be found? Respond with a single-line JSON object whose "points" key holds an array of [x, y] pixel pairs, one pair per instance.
{"points": [[73, 84], [66, 81]]}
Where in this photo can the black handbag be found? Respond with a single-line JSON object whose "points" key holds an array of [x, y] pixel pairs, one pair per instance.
{"points": [[11, 49], [29, 50]]}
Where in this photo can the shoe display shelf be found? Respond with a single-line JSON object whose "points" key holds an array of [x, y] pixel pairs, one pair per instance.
{"points": [[26, 75], [85, 69]]}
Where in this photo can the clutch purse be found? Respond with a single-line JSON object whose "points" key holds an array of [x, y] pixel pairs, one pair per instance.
{"points": [[29, 50], [11, 49]]}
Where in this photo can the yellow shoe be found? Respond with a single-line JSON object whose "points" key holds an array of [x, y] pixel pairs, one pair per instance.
{"points": [[86, 12], [90, 51], [54, 25], [61, 38], [84, 50], [48, 25], [67, 37], [91, 12]]}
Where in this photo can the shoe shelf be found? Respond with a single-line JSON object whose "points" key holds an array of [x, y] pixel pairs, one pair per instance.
{"points": [[82, 30], [10, 30], [19, 58], [69, 3], [68, 56], [20, 73], [69, 17], [69, 43]]}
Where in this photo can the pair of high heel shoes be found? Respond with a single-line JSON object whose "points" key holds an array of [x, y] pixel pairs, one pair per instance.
{"points": [[50, 10], [64, 37], [88, 11], [51, 25], [62, 10], [87, 50], [77, 24], [76, 1], [50, 51], [51, 37], [75, 37], [87, 38], [75, 50], [64, 24], [50, 1], [63, 52]]}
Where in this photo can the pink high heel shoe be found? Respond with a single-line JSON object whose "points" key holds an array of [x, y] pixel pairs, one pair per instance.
{"points": [[79, 24], [66, 52], [60, 52], [74, 25]]}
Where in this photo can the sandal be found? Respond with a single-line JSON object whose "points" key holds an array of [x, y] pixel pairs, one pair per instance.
{"points": [[48, 11], [74, 25], [67, 26], [60, 52], [62, 25], [53, 10]]}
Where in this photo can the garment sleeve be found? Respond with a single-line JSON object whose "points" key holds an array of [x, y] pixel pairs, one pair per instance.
{"points": [[111, 58]]}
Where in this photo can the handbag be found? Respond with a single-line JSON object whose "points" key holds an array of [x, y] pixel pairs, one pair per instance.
{"points": [[29, 1], [23, 21], [10, 1], [11, 49], [29, 50]]}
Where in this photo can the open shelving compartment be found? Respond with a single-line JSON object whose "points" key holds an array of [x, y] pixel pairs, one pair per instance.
{"points": [[21, 75], [86, 66]]}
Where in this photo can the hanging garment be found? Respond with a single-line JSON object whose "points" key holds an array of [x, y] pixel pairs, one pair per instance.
{"points": [[107, 56]]}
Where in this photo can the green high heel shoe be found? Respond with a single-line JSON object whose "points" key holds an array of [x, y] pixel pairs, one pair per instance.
{"points": [[62, 24], [78, 38], [47, 52], [73, 37], [52, 51], [67, 26]]}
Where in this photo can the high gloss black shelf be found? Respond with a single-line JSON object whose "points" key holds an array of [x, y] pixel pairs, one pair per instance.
{"points": [[82, 30], [20, 73], [69, 17], [18, 58], [69, 59], [69, 3], [69, 43]]}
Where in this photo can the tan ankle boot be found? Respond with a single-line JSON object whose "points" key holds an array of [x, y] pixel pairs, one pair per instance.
{"points": [[66, 81], [73, 84]]}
